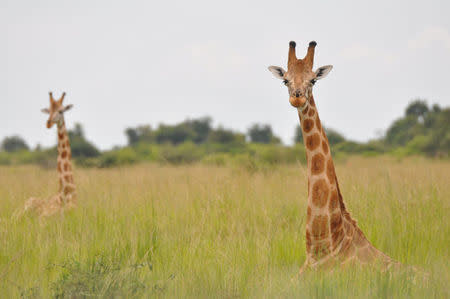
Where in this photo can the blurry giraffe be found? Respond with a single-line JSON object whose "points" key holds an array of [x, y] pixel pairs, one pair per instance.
{"points": [[332, 236], [66, 197]]}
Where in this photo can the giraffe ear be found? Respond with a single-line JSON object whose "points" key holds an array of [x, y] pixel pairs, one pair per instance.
{"points": [[45, 110], [323, 71], [277, 71], [68, 107]]}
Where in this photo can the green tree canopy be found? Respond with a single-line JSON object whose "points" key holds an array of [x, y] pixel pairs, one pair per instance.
{"points": [[417, 108], [79, 145], [225, 136], [14, 144], [334, 137], [262, 134], [195, 130]]}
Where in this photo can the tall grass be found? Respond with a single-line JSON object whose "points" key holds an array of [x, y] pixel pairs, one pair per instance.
{"points": [[211, 231]]}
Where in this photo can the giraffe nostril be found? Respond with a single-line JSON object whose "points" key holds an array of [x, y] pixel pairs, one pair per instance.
{"points": [[297, 94]]}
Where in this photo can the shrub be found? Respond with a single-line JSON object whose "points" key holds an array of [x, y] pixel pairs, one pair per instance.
{"points": [[184, 153], [100, 278], [13, 144], [262, 134], [123, 156], [79, 145]]}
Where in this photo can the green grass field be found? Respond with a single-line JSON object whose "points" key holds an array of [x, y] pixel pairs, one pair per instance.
{"points": [[206, 231]]}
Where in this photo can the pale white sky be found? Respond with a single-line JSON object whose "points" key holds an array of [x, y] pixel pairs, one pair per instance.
{"points": [[125, 63]]}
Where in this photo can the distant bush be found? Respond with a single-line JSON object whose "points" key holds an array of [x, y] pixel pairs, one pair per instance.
{"points": [[14, 144], [123, 156], [262, 134], [146, 152], [79, 145], [347, 147], [46, 158], [368, 149], [184, 153], [225, 136], [195, 130], [277, 154], [334, 137], [423, 130]]}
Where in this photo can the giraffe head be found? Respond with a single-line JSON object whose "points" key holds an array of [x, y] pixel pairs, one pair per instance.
{"points": [[56, 110], [300, 77]]}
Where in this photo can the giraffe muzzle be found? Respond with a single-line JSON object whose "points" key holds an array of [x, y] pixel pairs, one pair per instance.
{"points": [[297, 101]]}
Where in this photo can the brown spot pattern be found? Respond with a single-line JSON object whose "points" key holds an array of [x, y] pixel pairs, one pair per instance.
{"points": [[308, 214], [59, 166], [330, 171], [318, 124], [336, 228], [317, 163], [321, 250], [67, 166], [348, 218], [334, 201], [308, 241], [337, 237], [349, 229], [305, 111], [311, 112], [311, 102], [325, 147], [61, 135], [308, 124], [68, 189], [68, 178], [64, 154], [320, 192], [312, 141], [320, 227], [335, 222]]}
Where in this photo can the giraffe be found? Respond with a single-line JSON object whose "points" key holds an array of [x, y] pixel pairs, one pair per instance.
{"points": [[66, 196], [332, 235]]}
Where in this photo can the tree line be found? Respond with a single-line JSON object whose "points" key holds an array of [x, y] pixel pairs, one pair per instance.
{"points": [[423, 129]]}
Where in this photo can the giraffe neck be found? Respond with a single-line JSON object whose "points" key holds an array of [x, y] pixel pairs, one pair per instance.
{"points": [[326, 213], [64, 166]]}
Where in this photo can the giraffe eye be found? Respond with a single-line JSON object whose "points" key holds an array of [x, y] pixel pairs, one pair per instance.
{"points": [[313, 81], [285, 82]]}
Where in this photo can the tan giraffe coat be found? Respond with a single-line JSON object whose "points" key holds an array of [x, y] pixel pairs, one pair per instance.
{"points": [[332, 236], [66, 196], [331, 233]]}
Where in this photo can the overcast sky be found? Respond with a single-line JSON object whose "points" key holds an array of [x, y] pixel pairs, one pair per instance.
{"points": [[126, 63]]}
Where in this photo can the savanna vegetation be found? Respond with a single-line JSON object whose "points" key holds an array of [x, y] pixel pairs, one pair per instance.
{"points": [[423, 130], [208, 231], [202, 211]]}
